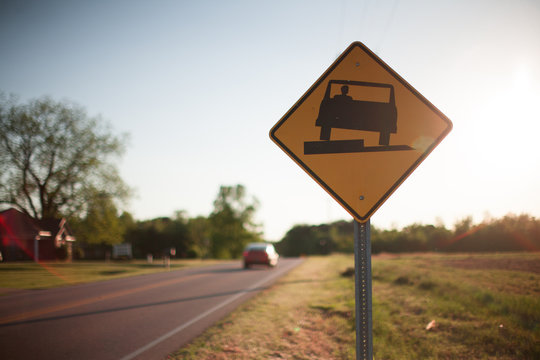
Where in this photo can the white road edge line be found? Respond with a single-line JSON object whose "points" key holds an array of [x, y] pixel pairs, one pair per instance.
{"points": [[200, 316]]}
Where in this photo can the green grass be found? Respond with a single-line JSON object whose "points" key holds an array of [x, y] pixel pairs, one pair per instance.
{"points": [[29, 275], [481, 310], [479, 313]]}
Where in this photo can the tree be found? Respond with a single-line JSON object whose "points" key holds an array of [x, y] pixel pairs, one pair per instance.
{"points": [[231, 223], [54, 158], [101, 225], [159, 235], [299, 240], [318, 239], [199, 230]]}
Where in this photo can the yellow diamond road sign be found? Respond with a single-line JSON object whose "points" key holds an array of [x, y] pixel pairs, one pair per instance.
{"points": [[360, 131]]}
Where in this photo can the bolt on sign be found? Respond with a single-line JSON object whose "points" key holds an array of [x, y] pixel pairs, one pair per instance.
{"points": [[360, 131]]}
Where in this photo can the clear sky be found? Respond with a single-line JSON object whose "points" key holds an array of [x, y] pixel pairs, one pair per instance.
{"points": [[199, 84]]}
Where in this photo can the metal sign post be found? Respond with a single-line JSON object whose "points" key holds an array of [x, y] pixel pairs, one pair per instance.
{"points": [[362, 285]]}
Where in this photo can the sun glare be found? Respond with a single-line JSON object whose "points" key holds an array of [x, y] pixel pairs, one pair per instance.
{"points": [[506, 134]]}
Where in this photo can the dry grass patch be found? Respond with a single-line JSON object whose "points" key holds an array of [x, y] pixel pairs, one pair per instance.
{"points": [[306, 315]]}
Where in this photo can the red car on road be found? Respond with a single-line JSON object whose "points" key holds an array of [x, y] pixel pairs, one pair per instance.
{"points": [[261, 254]]}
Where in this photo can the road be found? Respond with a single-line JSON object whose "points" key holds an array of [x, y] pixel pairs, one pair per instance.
{"points": [[142, 317]]}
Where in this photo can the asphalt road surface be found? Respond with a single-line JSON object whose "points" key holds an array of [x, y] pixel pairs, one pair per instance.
{"points": [[142, 317]]}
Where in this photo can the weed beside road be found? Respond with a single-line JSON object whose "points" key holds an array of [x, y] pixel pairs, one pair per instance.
{"points": [[424, 307]]}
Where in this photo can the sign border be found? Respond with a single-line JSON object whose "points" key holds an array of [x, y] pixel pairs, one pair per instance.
{"points": [[406, 174]]}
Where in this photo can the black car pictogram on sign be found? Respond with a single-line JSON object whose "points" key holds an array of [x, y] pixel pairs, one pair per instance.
{"points": [[342, 111]]}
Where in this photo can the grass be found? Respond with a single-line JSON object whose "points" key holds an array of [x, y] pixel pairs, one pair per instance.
{"points": [[306, 315], [479, 306], [478, 313], [29, 275]]}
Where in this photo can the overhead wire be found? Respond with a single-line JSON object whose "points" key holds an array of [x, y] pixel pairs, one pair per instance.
{"points": [[386, 27]]}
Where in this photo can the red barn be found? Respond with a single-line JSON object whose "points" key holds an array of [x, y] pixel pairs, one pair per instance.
{"points": [[25, 238]]}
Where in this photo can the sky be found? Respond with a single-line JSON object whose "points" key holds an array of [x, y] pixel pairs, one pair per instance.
{"points": [[198, 85]]}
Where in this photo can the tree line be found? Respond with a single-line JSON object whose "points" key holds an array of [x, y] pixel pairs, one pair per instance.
{"points": [[509, 233], [222, 234]]}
